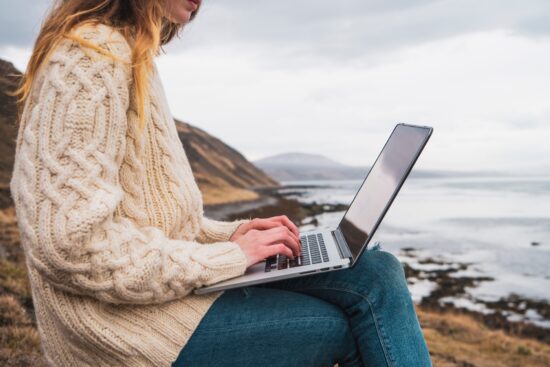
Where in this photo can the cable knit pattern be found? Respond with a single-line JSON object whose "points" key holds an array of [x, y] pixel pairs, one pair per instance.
{"points": [[111, 220]]}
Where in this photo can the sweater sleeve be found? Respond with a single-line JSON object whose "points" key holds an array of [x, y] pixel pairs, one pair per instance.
{"points": [[67, 191], [212, 231]]}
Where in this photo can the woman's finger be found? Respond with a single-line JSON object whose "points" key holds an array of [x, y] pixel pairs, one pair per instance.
{"points": [[283, 219], [266, 223], [280, 225], [281, 234], [278, 248], [263, 224]]}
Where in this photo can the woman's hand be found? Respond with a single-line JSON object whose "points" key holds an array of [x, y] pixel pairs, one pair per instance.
{"points": [[260, 244], [265, 237], [266, 223]]}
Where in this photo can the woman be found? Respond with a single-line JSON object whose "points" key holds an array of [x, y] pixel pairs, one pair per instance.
{"points": [[112, 224]]}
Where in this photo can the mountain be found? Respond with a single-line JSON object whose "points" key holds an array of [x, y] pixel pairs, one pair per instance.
{"points": [[222, 173], [9, 78], [304, 166], [298, 159]]}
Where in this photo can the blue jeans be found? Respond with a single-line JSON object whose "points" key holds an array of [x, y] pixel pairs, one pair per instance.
{"points": [[361, 316]]}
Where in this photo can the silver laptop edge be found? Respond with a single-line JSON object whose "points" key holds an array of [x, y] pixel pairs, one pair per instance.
{"points": [[256, 273], [340, 254]]}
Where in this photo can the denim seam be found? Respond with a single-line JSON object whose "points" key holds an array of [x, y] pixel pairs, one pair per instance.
{"points": [[272, 322], [381, 335]]}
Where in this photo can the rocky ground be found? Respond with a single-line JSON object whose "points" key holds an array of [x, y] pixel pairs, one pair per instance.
{"points": [[450, 292]]}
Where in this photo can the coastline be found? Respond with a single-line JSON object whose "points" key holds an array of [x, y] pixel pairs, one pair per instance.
{"points": [[442, 285]]}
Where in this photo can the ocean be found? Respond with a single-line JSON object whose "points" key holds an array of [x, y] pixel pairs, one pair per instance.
{"points": [[498, 228]]}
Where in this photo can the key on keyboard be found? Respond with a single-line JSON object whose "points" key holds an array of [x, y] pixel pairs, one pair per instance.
{"points": [[313, 251]]}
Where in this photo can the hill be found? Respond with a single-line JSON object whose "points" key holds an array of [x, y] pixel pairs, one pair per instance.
{"points": [[303, 166], [9, 78], [223, 174]]}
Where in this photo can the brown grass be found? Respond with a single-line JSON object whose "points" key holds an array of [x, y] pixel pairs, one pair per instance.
{"points": [[19, 339], [459, 340], [221, 193]]}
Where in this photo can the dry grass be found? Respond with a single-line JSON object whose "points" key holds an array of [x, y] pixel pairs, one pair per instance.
{"points": [[221, 193], [459, 340], [19, 339]]}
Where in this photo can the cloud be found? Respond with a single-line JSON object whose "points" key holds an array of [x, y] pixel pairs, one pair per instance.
{"points": [[334, 77], [314, 31], [486, 94], [320, 29], [20, 21]]}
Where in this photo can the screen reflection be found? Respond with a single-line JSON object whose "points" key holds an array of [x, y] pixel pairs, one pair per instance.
{"points": [[382, 182]]}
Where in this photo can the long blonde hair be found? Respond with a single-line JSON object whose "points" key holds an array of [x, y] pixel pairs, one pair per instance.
{"points": [[140, 21]]}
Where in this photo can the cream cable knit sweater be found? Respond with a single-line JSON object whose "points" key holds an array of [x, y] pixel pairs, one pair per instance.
{"points": [[111, 221]]}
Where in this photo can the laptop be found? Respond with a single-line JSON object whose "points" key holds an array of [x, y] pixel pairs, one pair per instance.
{"points": [[330, 250]]}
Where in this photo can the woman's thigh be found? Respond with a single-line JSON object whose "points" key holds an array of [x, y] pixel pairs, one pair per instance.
{"points": [[259, 327], [375, 297]]}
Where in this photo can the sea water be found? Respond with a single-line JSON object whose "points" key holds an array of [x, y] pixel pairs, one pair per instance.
{"points": [[500, 226]]}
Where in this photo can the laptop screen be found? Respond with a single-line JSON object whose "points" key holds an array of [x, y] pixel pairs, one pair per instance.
{"points": [[382, 185]]}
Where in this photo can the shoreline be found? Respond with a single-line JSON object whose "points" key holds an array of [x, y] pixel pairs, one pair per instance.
{"points": [[444, 288], [449, 291]]}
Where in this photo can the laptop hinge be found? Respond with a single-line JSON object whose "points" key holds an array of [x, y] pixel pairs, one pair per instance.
{"points": [[341, 244]]}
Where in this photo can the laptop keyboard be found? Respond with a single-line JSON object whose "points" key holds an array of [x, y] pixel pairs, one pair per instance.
{"points": [[313, 252]]}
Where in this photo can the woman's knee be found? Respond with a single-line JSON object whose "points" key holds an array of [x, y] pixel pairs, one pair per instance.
{"points": [[383, 271], [330, 342]]}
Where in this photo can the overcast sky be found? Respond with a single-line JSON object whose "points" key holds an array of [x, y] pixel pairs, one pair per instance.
{"points": [[333, 77]]}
